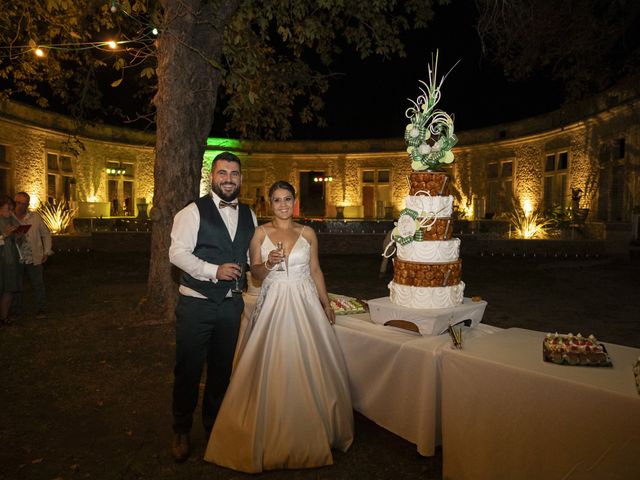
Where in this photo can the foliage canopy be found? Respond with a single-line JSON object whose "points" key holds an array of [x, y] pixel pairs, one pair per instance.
{"points": [[586, 44], [276, 61]]}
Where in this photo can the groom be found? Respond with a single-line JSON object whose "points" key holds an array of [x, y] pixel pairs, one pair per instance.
{"points": [[209, 238]]}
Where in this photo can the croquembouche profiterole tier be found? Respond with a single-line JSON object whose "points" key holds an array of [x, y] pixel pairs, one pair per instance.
{"points": [[427, 268]]}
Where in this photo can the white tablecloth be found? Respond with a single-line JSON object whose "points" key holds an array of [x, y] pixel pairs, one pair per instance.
{"points": [[395, 375], [507, 414]]}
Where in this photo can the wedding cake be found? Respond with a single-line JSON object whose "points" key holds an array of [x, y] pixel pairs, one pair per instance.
{"points": [[427, 267]]}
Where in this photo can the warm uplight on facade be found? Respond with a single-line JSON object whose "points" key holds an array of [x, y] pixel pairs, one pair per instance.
{"points": [[527, 207], [466, 211], [92, 199], [465, 207], [34, 200]]}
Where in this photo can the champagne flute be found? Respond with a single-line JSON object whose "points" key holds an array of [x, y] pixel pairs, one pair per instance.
{"points": [[280, 247], [236, 288]]}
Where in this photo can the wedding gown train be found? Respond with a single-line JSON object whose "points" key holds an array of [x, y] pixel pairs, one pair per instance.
{"points": [[288, 402]]}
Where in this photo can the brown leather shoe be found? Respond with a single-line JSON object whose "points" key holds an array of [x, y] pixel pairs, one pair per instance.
{"points": [[180, 448]]}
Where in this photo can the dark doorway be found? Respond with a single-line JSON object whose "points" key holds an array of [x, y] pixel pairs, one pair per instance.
{"points": [[312, 194]]}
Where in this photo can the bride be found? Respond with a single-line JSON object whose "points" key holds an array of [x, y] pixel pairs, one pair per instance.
{"points": [[288, 402]]}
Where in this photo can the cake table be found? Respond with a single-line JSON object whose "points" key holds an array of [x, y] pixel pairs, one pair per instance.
{"points": [[394, 375], [508, 414]]}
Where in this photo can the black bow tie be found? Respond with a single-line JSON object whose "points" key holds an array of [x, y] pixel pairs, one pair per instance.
{"points": [[224, 204]]}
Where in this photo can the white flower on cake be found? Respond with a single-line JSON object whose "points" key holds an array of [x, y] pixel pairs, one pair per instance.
{"points": [[407, 226], [424, 148], [414, 132]]}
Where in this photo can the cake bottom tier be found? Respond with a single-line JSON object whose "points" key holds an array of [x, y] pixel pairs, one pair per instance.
{"points": [[426, 297]]}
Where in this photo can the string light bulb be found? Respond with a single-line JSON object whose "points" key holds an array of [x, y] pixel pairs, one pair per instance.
{"points": [[112, 44], [114, 6], [39, 52]]}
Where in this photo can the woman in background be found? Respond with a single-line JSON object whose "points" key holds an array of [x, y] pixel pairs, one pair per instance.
{"points": [[9, 258], [288, 403]]}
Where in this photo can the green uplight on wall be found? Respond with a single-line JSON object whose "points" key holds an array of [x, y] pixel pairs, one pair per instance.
{"points": [[216, 146]]}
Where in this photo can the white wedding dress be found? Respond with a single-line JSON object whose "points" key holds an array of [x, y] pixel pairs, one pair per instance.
{"points": [[288, 403]]}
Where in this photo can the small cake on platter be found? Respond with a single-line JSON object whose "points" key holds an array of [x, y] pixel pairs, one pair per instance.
{"points": [[572, 349], [343, 305]]}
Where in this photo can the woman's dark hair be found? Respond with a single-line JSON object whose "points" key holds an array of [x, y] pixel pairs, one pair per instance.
{"points": [[6, 200], [283, 185]]}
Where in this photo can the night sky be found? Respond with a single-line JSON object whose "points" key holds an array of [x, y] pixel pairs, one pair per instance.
{"points": [[370, 100]]}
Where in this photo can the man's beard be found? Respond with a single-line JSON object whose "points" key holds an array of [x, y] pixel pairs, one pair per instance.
{"points": [[227, 198]]}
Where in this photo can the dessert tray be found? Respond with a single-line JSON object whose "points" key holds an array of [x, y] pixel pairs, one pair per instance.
{"points": [[343, 305], [576, 350]]}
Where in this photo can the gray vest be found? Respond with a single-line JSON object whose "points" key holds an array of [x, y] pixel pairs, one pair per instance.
{"points": [[214, 245]]}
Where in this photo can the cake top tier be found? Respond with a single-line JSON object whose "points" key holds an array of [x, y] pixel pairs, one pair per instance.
{"points": [[428, 183], [429, 135]]}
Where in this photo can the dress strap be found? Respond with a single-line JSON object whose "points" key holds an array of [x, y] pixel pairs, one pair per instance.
{"points": [[301, 231], [266, 236]]}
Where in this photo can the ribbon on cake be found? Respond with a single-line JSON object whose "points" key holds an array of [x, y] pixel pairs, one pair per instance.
{"points": [[429, 135], [409, 228]]}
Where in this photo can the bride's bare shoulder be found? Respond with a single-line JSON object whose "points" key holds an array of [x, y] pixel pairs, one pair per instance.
{"points": [[260, 233], [307, 232]]}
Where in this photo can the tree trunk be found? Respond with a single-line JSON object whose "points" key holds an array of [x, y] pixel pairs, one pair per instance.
{"points": [[189, 47]]}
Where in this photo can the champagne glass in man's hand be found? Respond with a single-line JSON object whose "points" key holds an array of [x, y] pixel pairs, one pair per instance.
{"points": [[241, 265], [280, 248]]}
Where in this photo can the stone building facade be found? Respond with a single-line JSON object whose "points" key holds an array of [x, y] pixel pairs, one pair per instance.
{"points": [[101, 170], [590, 150]]}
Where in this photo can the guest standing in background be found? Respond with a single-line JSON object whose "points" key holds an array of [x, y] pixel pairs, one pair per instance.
{"points": [[9, 278], [35, 249]]}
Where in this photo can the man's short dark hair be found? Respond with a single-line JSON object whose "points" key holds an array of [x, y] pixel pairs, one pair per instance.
{"points": [[227, 156], [25, 194]]}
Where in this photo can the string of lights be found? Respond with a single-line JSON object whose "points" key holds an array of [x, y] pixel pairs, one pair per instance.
{"points": [[40, 50], [143, 39]]}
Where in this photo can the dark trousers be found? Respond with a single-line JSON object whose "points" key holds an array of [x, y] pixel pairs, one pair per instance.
{"points": [[205, 331], [36, 278]]}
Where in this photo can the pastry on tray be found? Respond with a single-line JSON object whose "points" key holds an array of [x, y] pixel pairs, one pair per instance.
{"points": [[572, 349], [344, 305]]}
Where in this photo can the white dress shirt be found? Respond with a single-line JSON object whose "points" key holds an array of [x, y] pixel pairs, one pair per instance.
{"points": [[184, 236], [39, 239]]}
